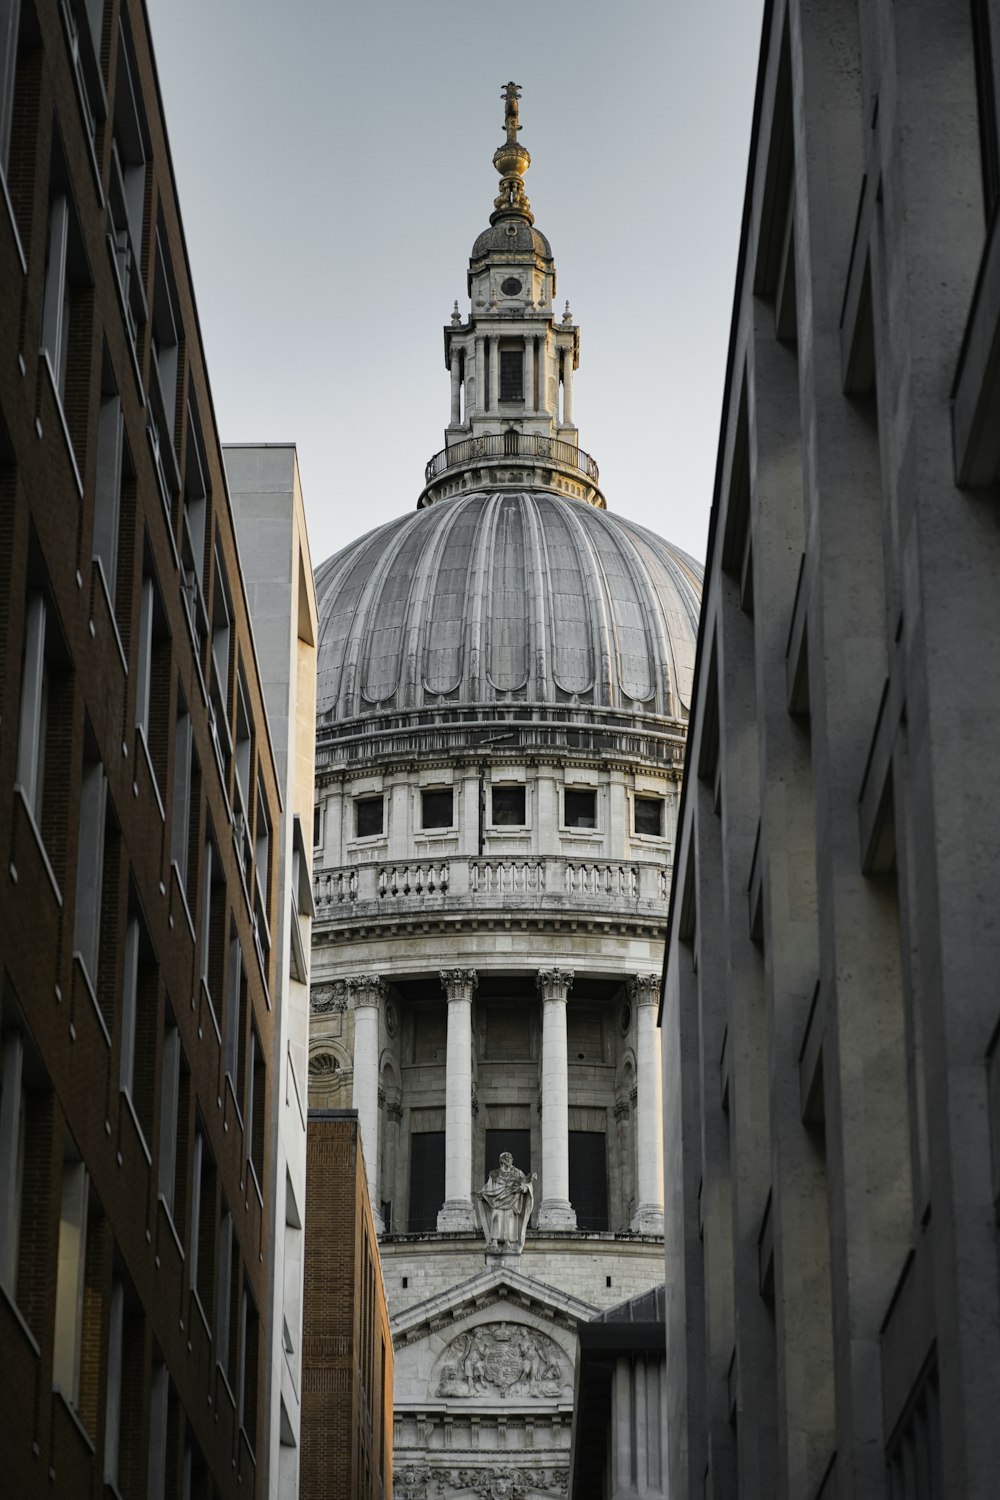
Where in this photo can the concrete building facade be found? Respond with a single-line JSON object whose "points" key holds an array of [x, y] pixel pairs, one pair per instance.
{"points": [[141, 824], [830, 1013], [502, 703], [266, 496]]}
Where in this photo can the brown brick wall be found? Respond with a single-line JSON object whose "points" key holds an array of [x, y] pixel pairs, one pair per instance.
{"points": [[344, 1329], [74, 1036]]}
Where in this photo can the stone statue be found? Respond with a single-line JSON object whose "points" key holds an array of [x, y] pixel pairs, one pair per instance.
{"points": [[511, 94], [504, 1205]]}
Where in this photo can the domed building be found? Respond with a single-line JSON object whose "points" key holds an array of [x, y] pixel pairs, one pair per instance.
{"points": [[504, 677]]}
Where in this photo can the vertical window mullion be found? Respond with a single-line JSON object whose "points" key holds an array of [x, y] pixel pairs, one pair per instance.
{"points": [[11, 1156]]}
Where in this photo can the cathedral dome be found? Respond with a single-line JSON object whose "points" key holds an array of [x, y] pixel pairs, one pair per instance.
{"points": [[507, 597], [512, 235]]}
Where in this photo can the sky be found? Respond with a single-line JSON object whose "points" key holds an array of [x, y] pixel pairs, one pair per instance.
{"points": [[334, 165]]}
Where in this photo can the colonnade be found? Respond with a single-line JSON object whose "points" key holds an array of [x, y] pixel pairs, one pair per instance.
{"points": [[484, 378], [368, 992]]}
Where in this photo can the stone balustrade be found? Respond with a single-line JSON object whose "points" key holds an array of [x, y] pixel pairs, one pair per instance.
{"points": [[494, 882]]}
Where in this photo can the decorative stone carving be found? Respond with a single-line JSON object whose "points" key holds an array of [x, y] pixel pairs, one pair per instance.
{"points": [[505, 1360], [323, 1065], [367, 990], [644, 989], [328, 997], [499, 1482], [554, 984], [459, 984], [504, 1205]]}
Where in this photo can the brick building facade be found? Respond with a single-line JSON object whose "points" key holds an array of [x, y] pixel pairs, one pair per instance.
{"points": [[139, 811], [347, 1362]]}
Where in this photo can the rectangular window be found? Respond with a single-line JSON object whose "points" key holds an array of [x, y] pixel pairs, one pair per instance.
{"points": [[127, 185], [10, 15], [151, 660], [250, 1345], [438, 809], [649, 816], [235, 1020], [170, 1089], [159, 1422], [317, 826], [110, 474], [90, 861], [426, 1179], [579, 809], [139, 1008], [986, 98], [588, 1178], [70, 1277], [517, 1142], [224, 1273], [83, 20], [256, 1105], [194, 525], [511, 374], [163, 373], [370, 816], [35, 688], [201, 1250], [13, 1121], [213, 925], [262, 845], [180, 812], [508, 806]]}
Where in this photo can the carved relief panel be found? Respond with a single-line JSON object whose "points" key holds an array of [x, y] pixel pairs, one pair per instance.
{"points": [[506, 1360]]}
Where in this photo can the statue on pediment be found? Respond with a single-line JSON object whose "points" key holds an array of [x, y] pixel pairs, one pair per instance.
{"points": [[504, 1205]]}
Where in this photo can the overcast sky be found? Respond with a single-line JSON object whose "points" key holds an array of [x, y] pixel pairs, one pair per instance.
{"points": [[333, 161]]}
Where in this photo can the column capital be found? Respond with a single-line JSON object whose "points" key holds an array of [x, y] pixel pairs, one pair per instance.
{"points": [[644, 989], [367, 989], [459, 984], [554, 984]]}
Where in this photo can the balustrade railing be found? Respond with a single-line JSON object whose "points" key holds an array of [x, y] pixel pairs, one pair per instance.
{"points": [[510, 444], [544, 882]]}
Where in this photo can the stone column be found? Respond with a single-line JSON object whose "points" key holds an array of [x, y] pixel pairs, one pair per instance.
{"points": [[367, 991], [494, 373], [476, 403], [568, 387], [644, 992], [457, 1211], [556, 1211], [456, 386]]}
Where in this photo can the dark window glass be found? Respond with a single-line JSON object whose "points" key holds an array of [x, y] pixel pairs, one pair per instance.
{"points": [[588, 1178], [511, 375], [426, 1179], [580, 809], [649, 816], [986, 97], [517, 1142], [316, 827], [508, 806], [371, 816], [438, 809]]}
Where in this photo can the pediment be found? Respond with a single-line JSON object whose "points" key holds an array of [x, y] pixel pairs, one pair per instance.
{"points": [[499, 1341], [480, 1292]]}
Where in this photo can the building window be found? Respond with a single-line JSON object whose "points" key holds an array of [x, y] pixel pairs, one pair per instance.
{"points": [[512, 374], [213, 925], [426, 1180], [181, 806], [171, 1071], [256, 1105], [235, 1053], [151, 662], [588, 1178], [159, 1426], [90, 861], [223, 1284], [13, 1128], [66, 277], [579, 809], [83, 20], [986, 99], [517, 1142], [249, 1362], [244, 764], [201, 1249], [317, 826], [69, 1310], [112, 465], [45, 702], [163, 375], [127, 184], [10, 15], [648, 816], [508, 806], [138, 1007], [438, 809], [370, 816], [194, 525]]}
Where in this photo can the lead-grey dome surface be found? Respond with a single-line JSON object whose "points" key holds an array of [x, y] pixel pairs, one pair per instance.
{"points": [[500, 597]]}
